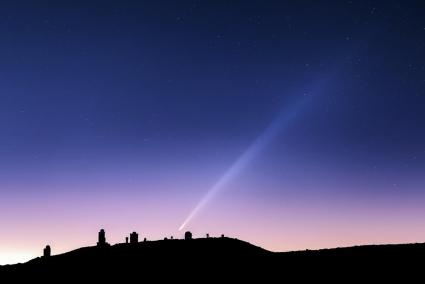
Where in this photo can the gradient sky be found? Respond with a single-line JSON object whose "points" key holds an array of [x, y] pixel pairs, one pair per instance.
{"points": [[123, 115]]}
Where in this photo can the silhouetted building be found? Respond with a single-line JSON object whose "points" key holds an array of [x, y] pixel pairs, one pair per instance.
{"points": [[222, 235], [188, 235], [102, 239], [47, 251], [134, 238], [208, 235], [144, 239], [126, 240]]}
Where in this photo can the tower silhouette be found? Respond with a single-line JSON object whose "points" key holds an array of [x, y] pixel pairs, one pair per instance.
{"points": [[188, 235], [46, 251], [134, 238], [101, 239]]}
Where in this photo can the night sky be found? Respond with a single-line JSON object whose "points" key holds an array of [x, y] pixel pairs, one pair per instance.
{"points": [[289, 124]]}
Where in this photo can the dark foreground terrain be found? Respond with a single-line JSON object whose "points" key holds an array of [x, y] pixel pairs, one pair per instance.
{"points": [[221, 259]]}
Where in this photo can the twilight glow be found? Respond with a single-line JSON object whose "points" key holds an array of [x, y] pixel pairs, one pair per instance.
{"points": [[288, 125]]}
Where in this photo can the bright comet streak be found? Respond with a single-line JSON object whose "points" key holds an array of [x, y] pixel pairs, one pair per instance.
{"points": [[277, 126]]}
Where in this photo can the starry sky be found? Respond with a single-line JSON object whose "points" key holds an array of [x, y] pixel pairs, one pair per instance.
{"points": [[124, 115]]}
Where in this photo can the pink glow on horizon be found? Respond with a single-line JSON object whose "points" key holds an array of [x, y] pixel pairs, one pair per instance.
{"points": [[68, 221]]}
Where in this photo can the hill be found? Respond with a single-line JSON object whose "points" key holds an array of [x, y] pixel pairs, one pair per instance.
{"points": [[215, 258]]}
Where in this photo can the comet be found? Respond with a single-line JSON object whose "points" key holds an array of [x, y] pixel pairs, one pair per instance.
{"points": [[277, 126]]}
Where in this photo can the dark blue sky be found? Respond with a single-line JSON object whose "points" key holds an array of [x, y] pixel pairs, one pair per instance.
{"points": [[159, 98]]}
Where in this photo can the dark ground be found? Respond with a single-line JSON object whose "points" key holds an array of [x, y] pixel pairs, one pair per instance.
{"points": [[221, 259]]}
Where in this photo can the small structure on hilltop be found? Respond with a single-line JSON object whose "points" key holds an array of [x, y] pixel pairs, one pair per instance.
{"points": [[208, 236], [188, 235], [134, 238], [102, 239], [47, 251]]}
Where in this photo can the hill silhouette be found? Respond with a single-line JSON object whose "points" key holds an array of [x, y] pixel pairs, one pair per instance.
{"points": [[220, 258]]}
